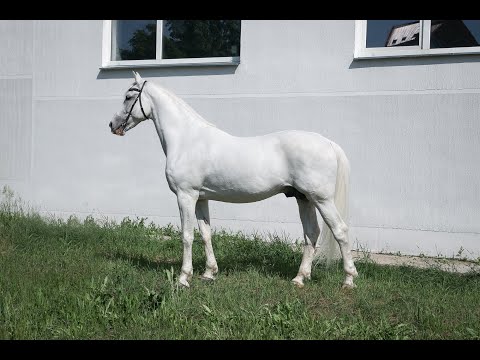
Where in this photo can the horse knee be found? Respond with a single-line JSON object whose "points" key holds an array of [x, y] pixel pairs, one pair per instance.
{"points": [[187, 239]]}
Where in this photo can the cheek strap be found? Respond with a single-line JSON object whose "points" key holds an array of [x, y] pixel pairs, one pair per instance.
{"points": [[139, 98]]}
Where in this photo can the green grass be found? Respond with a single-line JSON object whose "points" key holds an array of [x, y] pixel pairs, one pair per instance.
{"points": [[71, 279]]}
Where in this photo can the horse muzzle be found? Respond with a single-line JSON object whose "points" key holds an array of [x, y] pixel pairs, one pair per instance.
{"points": [[118, 131]]}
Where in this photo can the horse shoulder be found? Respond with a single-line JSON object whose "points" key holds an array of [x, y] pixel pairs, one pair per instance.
{"points": [[184, 172]]}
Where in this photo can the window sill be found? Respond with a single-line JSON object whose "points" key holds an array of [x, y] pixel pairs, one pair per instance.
{"points": [[219, 61], [378, 53]]}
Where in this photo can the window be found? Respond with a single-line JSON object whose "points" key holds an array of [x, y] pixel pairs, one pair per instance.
{"points": [[142, 43], [396, 38]]}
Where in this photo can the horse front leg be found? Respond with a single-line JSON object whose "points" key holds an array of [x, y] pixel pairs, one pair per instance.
{"points": [[203, 218], [186, 205]]}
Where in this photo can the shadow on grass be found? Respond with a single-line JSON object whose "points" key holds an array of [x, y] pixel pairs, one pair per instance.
{"points": [[269, 267], [281, 266], [282, 262], [143, 262]]}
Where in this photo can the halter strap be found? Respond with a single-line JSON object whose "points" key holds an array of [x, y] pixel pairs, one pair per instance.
{"points": [[139, 97]]}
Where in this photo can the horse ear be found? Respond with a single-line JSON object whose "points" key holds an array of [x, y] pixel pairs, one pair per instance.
{"points": [[138, 78]]}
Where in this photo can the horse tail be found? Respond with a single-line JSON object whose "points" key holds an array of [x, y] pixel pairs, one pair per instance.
{"points": [[327, 247]]}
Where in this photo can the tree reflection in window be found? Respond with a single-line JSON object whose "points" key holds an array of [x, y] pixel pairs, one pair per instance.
{"points": [[135, 39], [200, 38]]}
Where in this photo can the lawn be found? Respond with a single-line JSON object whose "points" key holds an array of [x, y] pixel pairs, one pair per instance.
{"points": [[72, 279]]}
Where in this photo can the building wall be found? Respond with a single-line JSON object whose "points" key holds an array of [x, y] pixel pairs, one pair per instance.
{"points": [[409, 127]]}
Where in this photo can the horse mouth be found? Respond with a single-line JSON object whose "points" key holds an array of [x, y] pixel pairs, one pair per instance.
{"points": [[123, 128], [120, 131]]}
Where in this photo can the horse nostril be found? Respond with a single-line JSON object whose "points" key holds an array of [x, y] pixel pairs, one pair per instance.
{"points": [[110, 124]]}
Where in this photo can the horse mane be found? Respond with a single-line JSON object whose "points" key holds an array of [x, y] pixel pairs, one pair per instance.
{"points": [[181, 103]]}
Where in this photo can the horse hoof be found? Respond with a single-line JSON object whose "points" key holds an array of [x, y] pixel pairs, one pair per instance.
{"points": [[207, 277], [184, 283], [349, 286], [298, 283]]}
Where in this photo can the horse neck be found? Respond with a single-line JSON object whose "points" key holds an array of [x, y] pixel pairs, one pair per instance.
{"points": [[174, 120]]}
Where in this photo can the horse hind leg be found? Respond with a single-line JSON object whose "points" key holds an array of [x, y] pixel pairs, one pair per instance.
{"points": [[332, 218], [311, 232]]}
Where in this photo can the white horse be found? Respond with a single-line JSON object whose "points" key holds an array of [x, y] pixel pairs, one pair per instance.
{"points": [[205, 163]]}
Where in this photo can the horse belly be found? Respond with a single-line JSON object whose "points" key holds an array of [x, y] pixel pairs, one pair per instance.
{"points": [[242, 183], [237, 195]]}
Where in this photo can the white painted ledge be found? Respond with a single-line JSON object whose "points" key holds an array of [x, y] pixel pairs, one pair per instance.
{"points": [[130, 64], [378, 53]]}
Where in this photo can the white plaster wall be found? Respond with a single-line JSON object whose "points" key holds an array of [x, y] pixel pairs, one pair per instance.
{"points": [[409, 126], [16, 46]]}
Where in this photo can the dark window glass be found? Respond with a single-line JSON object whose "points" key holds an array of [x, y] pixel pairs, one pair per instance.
{"points": [[200, 38], [454, 33], [392, 33], [134, 39]]}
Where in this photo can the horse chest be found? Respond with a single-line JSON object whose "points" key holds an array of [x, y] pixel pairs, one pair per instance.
{"points": [[182, 175]]}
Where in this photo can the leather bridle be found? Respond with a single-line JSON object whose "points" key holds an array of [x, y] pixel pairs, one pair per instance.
{"points": [[124, 124]]}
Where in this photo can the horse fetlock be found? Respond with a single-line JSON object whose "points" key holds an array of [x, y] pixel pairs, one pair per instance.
{"points": [[182, 280], [305, 274], [348, 283], [351, 270], [298, 281], [187, 274], [355, 272], [211, 270], [208, 275]]}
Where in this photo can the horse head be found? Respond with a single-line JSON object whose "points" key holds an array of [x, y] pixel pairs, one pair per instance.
{"points": [[135, 108]]}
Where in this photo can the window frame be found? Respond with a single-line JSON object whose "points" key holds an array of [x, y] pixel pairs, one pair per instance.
{"points": [[107, 63], [362, 52]]}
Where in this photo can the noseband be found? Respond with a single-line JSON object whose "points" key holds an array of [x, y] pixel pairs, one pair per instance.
{"points": [[141, 107]]}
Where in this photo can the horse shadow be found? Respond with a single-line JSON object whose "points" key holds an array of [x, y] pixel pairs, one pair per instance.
{"points": [[279, 266]]}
